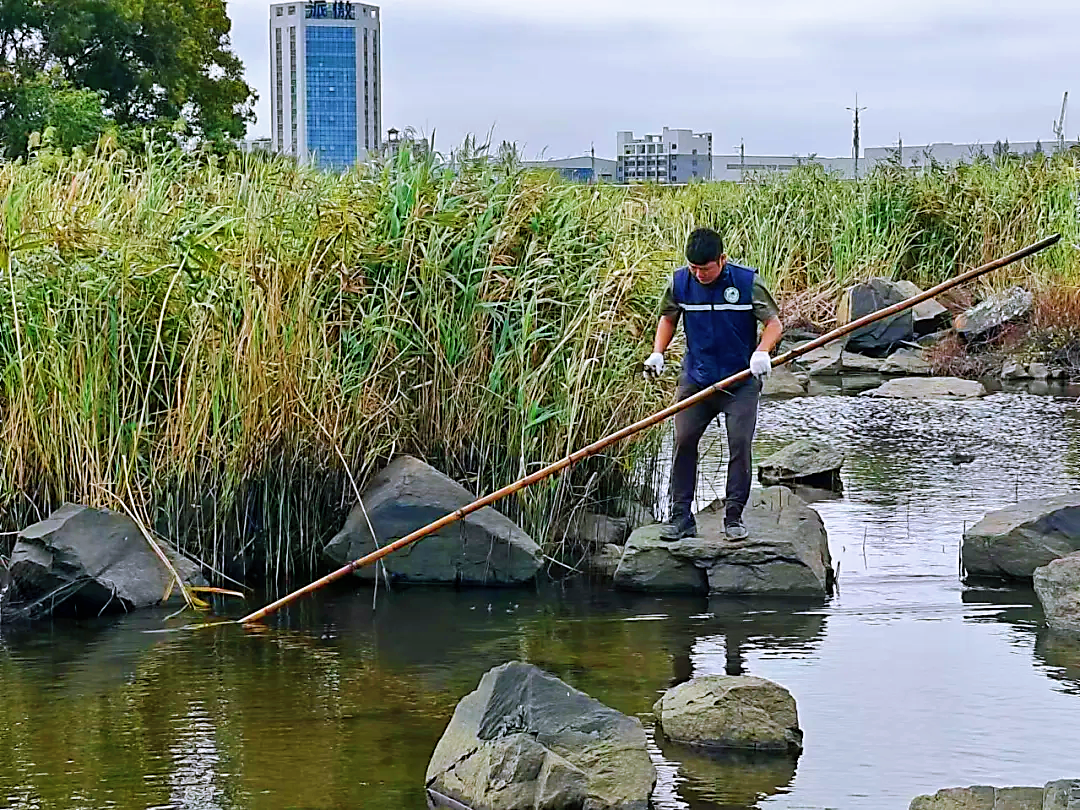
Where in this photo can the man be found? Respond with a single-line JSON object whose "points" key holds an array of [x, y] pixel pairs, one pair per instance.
{"points": [[721, 304]]}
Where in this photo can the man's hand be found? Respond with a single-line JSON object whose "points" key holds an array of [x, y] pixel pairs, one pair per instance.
{"points": [[654, 366], [760, 365]]}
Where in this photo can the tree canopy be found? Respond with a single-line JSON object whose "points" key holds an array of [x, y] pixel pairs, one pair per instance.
{"points": [[144, 62]]}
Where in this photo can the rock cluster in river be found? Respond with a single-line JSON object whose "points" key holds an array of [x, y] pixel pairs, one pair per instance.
{"points": [[807, 462]]}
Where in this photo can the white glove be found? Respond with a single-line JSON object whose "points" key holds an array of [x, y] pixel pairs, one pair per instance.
{"points": [[654, 366], [760, 365]]}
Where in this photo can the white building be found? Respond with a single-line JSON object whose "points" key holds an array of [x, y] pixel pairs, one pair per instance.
{"points": [[675, 156], [325, 80], [739, 168]]}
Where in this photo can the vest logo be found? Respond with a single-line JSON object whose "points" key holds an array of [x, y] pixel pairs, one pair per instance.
{"points": [[731, 295]]}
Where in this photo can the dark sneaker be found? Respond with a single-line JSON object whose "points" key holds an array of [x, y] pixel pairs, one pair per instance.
{"points": [[734, 529], [679, 527]]}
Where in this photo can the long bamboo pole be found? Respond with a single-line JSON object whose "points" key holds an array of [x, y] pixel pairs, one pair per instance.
{"points": [[643, 424]]}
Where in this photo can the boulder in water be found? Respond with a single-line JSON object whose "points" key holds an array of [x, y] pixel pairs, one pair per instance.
{"points": [[83, 561], [806, 462], [786, 553], [1058, 586], [984, 321], [596, 531], [486, 548], [605, 562], [879, 338], [927, 388], [525, 739], [730, 712], [1012, 542]]}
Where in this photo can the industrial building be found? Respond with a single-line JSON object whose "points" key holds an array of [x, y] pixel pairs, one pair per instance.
{"points": [[674, 157]]}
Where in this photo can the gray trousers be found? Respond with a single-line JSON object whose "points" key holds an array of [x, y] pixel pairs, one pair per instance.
{"points": [[740, 407]]}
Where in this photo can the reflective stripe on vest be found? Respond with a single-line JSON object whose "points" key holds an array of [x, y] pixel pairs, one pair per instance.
{"points": [[717, 307]]}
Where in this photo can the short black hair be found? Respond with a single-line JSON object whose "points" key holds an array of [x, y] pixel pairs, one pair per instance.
{"points": [[704, 246]]}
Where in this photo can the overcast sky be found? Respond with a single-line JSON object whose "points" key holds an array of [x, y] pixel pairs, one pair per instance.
{"points": [[559, 75]]}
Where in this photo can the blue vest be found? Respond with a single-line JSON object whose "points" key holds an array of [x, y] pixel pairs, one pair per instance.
{"points": [[721, 330]]}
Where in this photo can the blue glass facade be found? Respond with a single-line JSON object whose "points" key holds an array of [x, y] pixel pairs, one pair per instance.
{"points": [[331, 94]]}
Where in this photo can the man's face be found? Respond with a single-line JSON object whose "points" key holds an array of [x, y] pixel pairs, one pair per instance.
{"points": [[708, 273]]}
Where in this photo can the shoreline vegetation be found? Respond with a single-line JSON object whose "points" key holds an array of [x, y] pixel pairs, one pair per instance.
{"points": [[230, 347]]}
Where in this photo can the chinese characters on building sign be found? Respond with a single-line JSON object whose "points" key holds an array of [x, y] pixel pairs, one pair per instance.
{"points": [[337, 10]]}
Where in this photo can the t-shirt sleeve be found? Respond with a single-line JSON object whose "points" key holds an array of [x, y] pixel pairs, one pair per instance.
{"points": [[668, 307], [765, 308]]}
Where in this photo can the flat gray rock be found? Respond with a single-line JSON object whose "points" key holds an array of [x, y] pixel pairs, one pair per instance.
{"points": [[486, 548], [1012, 542], [1058, 587], [782, 383], [787, 553], [525, 739], [850, 361], [928, 388], [86, 561], [730, 712], [806, 462], [906, 361], [981, 797]]}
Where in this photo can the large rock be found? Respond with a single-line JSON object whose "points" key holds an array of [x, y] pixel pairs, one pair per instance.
{"points": [[605, 562], [850, 361], [879, 338], [596, 531], [787, 553], [985, 320], [982, 797], [807, 462], [1013, 542], [927, 317], [486, 548], [730, 712], [825, 360], [923, 388], [908, 362], [524, 739], [1063, 794], [1058, 586], [782, 383], [83, 561]]}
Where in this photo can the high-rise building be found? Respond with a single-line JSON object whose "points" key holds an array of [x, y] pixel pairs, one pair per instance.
{"points": [[325, 80], [674, 156]]}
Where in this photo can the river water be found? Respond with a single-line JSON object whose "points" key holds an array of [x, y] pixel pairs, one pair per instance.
{"points": [[906, 681]]}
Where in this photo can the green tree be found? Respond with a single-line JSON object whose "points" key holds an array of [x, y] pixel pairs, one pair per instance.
{"points": [[153, 62], [73, 116]]}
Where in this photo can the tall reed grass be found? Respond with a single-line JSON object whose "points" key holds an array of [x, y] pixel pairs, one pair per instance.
{"points": [[231, 348]]}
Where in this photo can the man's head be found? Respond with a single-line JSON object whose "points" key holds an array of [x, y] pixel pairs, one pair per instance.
{"points": [[705, 255]]}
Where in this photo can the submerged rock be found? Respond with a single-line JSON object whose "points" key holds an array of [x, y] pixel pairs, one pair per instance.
{"points": [[787, 553], [486, 548], [730, 712], [1058, 587], [83, 561], [928, 388], [1013, 542], [805, 462], [524, 739]]}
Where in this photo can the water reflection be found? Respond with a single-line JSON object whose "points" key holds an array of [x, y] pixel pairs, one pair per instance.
{"points": [[906, 682]]}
